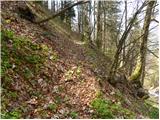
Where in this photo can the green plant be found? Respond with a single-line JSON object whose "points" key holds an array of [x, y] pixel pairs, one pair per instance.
{"points": [[69, 74], [106, 109], [28, 73], [154, 113], [6, 81], [52, 107], [7, 34], [5, 62], [33, 59], [73, 114], [126, 113], [36, 93], [34, 46], [99, 94], [102, 108], [54, 57], [60, 89], [44, 48], [15, 114], [58, 99], [78, 70], [13, 95]]}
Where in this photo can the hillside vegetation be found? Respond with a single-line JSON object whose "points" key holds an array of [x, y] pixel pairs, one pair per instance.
{"points": [[47, 72]]}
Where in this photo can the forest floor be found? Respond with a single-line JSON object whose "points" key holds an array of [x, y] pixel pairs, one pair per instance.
{"points": [[47, 73]]}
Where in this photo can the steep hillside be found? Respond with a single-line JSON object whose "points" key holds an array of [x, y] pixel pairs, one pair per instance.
{"points": [[47, 73]]}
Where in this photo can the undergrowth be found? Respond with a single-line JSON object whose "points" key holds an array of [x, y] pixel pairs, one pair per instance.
{"points": [[20, 57], [106, 109]]}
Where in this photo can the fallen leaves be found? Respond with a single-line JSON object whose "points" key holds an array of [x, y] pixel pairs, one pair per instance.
{"points": [[32, 101]]}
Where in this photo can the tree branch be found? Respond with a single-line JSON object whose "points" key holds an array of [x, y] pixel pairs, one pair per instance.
{"points": [[155, 20], [152, 53], [62, 11]]}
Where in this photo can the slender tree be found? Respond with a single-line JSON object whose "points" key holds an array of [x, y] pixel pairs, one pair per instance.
{"points": [[121, 42], [140, 66]]}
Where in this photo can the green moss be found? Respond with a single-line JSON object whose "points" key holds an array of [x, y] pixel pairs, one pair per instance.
{"points": [[137, 72]]}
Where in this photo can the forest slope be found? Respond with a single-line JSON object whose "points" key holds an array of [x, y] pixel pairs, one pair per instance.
{"points": [[46, 74]]}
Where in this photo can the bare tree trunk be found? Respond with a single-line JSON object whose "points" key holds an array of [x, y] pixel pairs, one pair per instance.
{"points": [[94, 20], [79, 18], [104, 27], [53, 6], [143, 49]]}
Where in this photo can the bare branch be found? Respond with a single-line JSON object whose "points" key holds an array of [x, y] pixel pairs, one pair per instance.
{"points": [[62, 11], [152, 53], [140, 36], [155, 20]]}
